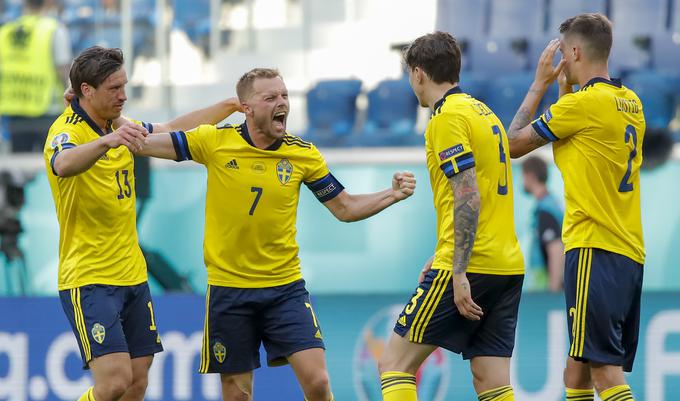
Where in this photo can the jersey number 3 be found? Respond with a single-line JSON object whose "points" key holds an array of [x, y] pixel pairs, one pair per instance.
{"points": [[127, 192], [630, 136], [503, 177]]}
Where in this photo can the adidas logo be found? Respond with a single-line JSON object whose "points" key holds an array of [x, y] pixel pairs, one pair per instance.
{"points": [[318, 335], [402, 320], [104, 157], [232, 164]]}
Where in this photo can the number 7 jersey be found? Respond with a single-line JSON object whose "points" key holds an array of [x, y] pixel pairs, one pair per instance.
{"points": [[251, 202], [464, 133], [597, 134]]}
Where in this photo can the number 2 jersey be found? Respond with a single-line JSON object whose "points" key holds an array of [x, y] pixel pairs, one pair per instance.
{"points": [[251, 202], [597, 136], [464, 133], [95, 209]]}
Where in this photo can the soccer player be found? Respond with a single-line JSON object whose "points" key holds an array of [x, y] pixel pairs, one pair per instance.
{"points": [[469, 292], [597, 135], [256, 293], [102, 273], [547, 250]]}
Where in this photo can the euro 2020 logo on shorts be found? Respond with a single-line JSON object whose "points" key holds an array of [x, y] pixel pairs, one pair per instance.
{"points": [[432, 379]]}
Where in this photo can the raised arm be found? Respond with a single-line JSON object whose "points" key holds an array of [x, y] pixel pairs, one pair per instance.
{"points": [[521, 135], [346, 207], [77, 159], [210, 115], [466, 205]]}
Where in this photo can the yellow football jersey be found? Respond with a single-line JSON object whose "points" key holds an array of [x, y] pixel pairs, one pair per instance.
{"points": [[96, 209], [597, 134], [251, 204], [463, 133]]}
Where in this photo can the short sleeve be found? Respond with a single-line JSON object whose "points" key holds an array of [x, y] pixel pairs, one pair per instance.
{"points": [[196, 144], [548, 228], [450, 135], [319, 179], [60, 140], [561, 120]]}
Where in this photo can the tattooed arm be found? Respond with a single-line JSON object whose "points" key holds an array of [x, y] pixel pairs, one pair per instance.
{"points": [[521, 135], [466, 204]]}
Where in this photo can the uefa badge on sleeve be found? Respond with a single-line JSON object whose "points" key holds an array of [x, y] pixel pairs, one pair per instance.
{"points": [[284, 170]]}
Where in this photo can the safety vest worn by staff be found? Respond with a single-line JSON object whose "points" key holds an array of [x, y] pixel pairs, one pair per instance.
{"points": [[29, 83]]}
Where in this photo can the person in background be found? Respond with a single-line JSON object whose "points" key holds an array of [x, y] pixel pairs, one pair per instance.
{"points": [[546, 260], [35, 55]]}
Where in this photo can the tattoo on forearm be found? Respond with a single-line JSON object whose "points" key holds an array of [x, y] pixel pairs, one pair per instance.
{"points": [[522, 119], [466, 204], [537, 140]]}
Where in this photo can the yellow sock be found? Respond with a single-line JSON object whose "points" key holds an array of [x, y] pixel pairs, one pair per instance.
{"points": [[398, 386], [88, 395], [577, 394], [504, 393], [618, 393]]}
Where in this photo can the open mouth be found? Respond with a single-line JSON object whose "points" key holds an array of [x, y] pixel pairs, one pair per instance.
{"points": [[280, 118]]}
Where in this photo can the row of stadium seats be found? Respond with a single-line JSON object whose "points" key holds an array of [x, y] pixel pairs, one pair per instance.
{"points": [[392, 108]]}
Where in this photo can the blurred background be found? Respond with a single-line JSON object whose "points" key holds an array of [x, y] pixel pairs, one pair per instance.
{"points": [[341, 62]]}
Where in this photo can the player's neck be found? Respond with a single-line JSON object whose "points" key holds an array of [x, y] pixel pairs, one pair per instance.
{"points": [[593, 71], [437, 91], [259, 139], [101, 122]]}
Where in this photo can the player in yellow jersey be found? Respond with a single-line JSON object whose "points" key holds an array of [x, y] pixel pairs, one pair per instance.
{"points": [[102, 273], [469, 292], [597, 135], [256, 293]]}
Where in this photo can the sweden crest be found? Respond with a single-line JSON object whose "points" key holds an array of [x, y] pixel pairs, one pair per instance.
{"points": [[219, 351], [284, 170], [98, 333]]}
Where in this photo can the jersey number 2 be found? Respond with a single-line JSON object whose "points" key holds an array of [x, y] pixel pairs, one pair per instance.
{"points": [[503, 177], [630, 135]]}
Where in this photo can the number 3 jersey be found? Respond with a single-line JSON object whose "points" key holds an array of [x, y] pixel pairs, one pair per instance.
{"points": [[597, 134], [95, 209], [464, 133], [251, 202]]}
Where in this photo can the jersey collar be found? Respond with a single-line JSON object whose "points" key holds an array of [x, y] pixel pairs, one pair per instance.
{"points": [[243, 130], [75, 105], [440, 102], [613, 82]]}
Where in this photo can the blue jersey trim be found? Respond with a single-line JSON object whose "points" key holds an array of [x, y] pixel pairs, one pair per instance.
{"points": [[75, 105], [544, 131], [179, 142], [440, 102], [64, 146], [148, 126], [325, 188]]}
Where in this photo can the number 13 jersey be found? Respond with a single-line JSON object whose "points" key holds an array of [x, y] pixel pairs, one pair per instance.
{"points": [[464, 133], [95, 209], [597, 134], [251, 202]]}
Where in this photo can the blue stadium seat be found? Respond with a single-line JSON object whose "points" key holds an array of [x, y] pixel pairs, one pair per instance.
{"points": [[496, 56], [505, 94], [462, 18], [627, 56], [656, 96], [391, 115], [331, 111], [516, 18], [666, 51], [638, 17], [560, 10], [192, 16]]}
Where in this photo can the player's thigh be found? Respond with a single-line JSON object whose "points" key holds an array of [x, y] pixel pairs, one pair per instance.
{"points": [[604, 315], [140, 368], [139, 322], [93, 312], [310, 369], [231, 333], [289, 323], [499, 297], [402, 355]]}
